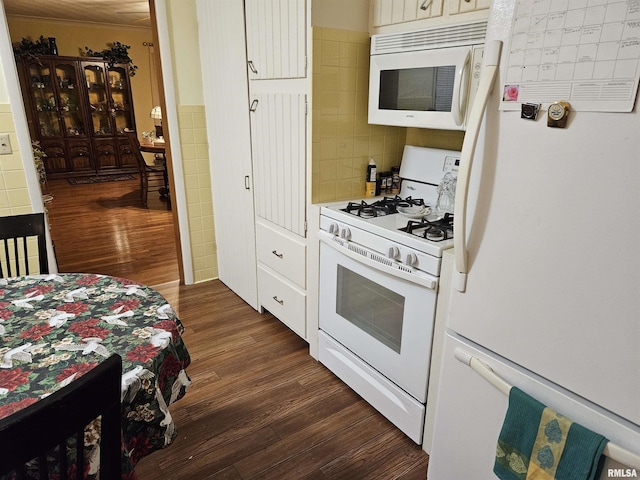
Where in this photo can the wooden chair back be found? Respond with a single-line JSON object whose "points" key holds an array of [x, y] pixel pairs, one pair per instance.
{"points": [[15, 231], [41, 431], [152, 177]]}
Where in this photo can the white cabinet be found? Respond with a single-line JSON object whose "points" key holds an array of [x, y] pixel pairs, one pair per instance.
{"points": [[282, 275], [224, 78], [278, 136], [276, 38], [404, 15], [390, 12], [467, 6], [283, 253], [282, 299]]}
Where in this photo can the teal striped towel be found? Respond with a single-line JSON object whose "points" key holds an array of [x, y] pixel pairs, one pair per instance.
{"points": [[537, 443]]}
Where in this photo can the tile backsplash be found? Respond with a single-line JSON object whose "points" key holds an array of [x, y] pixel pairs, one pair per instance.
{"points": [[342, 139], [14, 193]]}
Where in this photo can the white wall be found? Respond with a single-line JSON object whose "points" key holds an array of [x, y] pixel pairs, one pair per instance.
{"points": [[182, 18]]}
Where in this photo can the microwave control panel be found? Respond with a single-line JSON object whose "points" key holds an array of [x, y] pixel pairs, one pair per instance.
{"points": [[476, 70], [451, 164]]}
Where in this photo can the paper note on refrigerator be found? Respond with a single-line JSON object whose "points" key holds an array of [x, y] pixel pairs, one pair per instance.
{"points": [[586, 52]]}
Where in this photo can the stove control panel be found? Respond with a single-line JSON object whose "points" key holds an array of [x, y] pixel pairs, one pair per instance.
{"points": [[396, 252]]}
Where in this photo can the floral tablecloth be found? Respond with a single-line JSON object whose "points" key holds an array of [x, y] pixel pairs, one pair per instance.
{"points": [[54, 328]]}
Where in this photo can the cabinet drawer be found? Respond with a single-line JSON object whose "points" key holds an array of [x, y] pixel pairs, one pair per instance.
{"points": [[283, 254], [284, 301]]}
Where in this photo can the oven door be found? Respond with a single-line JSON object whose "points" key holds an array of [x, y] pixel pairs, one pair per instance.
{"points": [[385, 320]]}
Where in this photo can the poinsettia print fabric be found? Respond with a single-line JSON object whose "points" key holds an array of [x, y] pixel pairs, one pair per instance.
{"points": [[55, 328]]}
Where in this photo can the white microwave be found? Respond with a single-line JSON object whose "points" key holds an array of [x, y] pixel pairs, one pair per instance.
{"points": [[425, 78]]}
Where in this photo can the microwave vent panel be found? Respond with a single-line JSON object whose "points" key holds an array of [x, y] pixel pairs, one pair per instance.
{"points": [[441, 37]]}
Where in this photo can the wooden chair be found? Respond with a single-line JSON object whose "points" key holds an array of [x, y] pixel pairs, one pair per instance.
{"points": [[14, 232], [33, 432], [153, 178]]}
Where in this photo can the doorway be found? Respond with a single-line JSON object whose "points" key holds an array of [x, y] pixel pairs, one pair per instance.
{"points": [[104, 228]]}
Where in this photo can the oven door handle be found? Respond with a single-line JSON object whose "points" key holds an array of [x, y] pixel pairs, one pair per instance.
{"points": [[368, 258]]}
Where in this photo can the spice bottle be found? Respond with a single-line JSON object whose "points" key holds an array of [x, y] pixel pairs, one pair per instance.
{"points": [[395, 180], [385, 183], [370, 184]]}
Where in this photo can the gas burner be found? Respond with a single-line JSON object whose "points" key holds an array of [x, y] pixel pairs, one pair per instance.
{"points": [[433, 230], [368, 210], [382, 207]]}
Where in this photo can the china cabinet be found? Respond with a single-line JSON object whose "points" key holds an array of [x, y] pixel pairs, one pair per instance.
{"points": [[79, 110]]}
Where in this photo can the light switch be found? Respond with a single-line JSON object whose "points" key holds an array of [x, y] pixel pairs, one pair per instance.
{"points": [[5, 144]]}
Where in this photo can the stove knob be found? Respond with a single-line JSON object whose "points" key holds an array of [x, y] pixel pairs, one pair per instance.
{"points": [[393, 253], [345, 233], [333, 228], [411, 259]]}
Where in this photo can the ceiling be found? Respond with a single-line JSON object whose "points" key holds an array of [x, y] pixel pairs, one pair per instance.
{"points": [[118, 12]]}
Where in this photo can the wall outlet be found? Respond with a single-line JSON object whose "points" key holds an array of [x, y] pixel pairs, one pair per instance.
{"points": [[5, 144]]}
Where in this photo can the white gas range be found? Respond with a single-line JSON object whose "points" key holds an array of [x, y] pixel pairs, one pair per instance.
{"points": [[379, 272]]}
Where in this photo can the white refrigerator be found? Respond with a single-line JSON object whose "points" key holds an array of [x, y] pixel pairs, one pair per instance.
{"points": [[546, 265]]}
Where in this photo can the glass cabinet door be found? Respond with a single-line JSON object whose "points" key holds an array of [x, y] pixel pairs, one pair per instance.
{"points": [[95, 76], [70, 109], [44, 99], [119, 96]]}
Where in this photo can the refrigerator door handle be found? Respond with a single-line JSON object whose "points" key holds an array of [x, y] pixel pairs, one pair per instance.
{"points": [[489, 74], [611, 450]]}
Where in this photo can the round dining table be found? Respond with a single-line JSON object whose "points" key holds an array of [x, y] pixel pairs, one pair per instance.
{"points": [[54, 328]]}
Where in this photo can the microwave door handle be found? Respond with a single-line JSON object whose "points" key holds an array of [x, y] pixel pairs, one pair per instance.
{"points": [[459, 90], [487, 79]]}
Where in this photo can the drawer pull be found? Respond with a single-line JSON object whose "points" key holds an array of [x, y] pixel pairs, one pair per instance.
{"points": [[281, 302], [279, 255]]}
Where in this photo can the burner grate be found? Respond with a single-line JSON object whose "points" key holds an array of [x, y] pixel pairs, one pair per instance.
{"points": [[433, 230], [382, 207]]}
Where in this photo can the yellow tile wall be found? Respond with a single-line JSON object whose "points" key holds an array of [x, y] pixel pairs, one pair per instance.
{"points": [[423, 137], [342, 140], [14, 194], [195, 162]]}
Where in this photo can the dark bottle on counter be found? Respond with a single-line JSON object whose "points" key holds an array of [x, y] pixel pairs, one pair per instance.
{"points": [[53, 48], [395, 180]]}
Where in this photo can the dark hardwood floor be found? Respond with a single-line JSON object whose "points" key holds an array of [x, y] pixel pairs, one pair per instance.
{"points": [[259, 407], [104, 228]]}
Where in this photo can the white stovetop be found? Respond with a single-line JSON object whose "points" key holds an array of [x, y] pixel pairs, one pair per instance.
{"points": [[386, 227]]}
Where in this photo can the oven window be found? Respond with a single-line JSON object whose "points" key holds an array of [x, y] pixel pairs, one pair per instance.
{"points": [[417, 89], [374, 309]]}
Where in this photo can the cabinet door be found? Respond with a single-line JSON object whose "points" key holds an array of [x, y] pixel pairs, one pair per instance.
{"points": [[119, 98], [70, 107], [224, 77], [106, 154], [95, 76], [79, 153], [128, 160], [389, 12], [56, 159], [276, 38], [278, 136], [44, 99], [466, 6]]}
